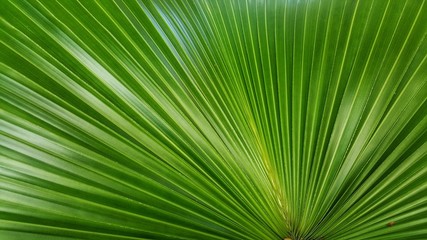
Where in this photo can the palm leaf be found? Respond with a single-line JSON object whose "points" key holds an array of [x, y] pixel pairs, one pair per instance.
{"points": [[213, 119]]}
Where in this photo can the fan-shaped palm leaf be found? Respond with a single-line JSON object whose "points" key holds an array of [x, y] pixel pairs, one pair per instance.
{"points": [[304, 119]]}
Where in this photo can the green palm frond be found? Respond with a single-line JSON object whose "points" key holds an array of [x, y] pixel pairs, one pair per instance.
{"points": [[222, 119]]}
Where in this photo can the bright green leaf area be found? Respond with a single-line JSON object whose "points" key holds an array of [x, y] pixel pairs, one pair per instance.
{"points": [[213, 119]]}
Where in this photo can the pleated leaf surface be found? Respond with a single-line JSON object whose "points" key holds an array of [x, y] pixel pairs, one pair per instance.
{"points": [[213, 119]]}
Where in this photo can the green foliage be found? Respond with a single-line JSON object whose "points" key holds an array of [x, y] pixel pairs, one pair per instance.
{"points": [[213, 119]]}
